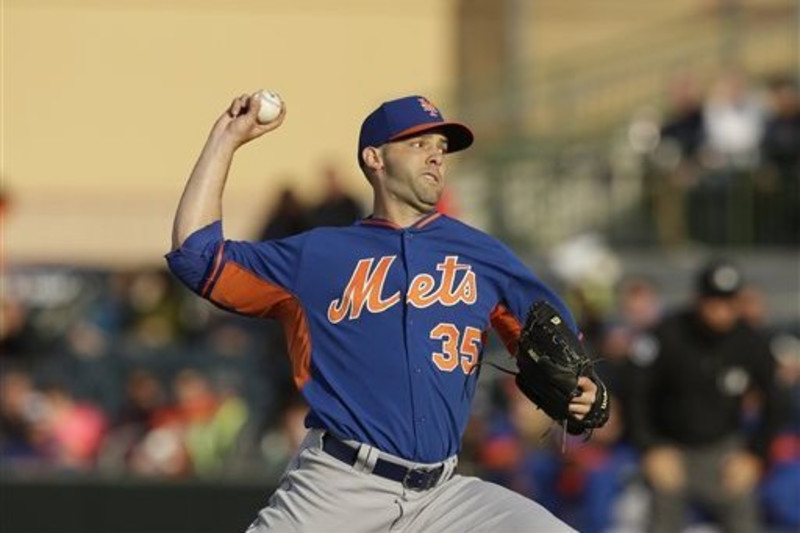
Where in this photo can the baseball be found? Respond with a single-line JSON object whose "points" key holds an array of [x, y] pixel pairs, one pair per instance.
{"points": [[271, 105]]}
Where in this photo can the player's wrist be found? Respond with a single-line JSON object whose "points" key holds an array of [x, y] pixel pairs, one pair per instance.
{"points": [[222, 143]]}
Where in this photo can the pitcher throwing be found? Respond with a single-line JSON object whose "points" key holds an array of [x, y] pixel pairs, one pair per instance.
{"points": [[386, 322]]}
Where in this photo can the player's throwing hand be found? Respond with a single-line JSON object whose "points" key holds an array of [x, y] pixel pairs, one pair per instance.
{"points": [[239, 124]]}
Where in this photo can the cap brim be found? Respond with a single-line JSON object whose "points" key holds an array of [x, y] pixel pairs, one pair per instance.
{"points": [[718, 295], [459, 137]]}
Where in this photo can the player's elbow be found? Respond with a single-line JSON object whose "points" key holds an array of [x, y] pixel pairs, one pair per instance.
{"points": [[193, 254]]}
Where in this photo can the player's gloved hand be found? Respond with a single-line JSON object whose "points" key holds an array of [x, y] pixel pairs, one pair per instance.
{"points": [[581, 405], [556, 375]]}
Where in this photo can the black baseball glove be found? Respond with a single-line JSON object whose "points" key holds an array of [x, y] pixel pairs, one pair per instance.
{"points": [[551, 358]]}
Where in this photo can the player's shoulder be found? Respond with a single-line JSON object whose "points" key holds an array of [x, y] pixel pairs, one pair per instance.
{"points": [[329, 233], [477, 237]]}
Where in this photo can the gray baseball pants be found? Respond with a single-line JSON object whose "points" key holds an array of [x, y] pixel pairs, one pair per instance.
{"points": [[319, 493]]}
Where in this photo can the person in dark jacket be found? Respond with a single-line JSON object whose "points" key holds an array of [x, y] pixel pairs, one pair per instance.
{"points": [[700, 445]]}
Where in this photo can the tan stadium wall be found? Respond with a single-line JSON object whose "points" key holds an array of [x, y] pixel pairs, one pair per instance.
{"points": [[106, 104]]}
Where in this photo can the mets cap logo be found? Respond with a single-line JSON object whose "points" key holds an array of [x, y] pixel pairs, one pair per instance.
{"points": [[428, 107]]}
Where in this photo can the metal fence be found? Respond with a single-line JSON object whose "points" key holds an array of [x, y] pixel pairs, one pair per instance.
{"points": [[583, 154]]}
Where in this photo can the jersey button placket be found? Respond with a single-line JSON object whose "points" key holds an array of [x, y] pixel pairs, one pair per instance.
{"points": [[409, 327]]}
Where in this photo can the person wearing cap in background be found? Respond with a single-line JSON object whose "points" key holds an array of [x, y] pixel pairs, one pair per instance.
{"points": [[386, 321], [700, 457]]}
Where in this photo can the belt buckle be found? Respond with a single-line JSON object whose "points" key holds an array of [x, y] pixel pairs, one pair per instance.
{"points": [[421, 479]]}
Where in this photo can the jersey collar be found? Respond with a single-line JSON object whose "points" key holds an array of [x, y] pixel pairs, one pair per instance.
{"points": [[382, 222]]}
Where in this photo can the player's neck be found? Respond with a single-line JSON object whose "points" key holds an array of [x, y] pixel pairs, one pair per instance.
{"points": [[402, 215]]}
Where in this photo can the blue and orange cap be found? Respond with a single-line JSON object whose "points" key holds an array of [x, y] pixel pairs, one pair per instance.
{"points": [[406, 117]]}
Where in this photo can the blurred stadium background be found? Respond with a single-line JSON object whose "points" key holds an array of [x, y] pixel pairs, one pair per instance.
{"points": [[615, 139]]}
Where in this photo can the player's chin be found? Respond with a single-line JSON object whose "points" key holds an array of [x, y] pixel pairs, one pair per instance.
{"points": [[429, 197]]}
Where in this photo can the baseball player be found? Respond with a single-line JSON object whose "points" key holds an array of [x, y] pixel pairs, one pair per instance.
{"points": [[386, 322]]}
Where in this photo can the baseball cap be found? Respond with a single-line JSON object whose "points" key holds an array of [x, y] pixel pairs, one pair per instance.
{"points": [[719, 279], [406, 117]]}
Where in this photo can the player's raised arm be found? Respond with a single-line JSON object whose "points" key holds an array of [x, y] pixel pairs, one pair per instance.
{"points": [[201, 202]]}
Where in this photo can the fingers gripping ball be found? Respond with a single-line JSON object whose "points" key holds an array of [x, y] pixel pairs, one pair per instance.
{"points": [[551, 358], [271, 106]]}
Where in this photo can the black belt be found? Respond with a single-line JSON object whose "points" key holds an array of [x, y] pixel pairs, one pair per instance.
{"points": [[411, 478]]}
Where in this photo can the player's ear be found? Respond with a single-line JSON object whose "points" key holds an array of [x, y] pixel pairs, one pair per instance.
{"points": [[372, 157]]}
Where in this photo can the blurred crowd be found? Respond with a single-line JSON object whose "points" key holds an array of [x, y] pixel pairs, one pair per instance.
{"points": [[723, 161], [126, 374], [603, 484]]}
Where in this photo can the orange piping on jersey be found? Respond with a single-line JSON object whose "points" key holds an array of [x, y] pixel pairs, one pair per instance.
{"points": [[215, 271], [244, 292], [427, 220], [507, 326]]}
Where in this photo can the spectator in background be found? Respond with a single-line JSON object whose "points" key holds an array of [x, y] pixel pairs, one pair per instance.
{"points": [[144, 399], [638, 309], [150, 313], [733, 120], [288, 218], [337, 207], [212, 437], [686, 408], [587, 302], [683, 125], [676, 159], [780, 202], [782, 484], [21, 412], [283, 439], [196, 403], [76, 429], [640, 305], [18, 340], [752, 306], [781, 143], [196, 435], [165, 450]]}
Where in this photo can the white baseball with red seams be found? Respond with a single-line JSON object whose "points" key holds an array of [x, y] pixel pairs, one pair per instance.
{"points": [[271, 105]]}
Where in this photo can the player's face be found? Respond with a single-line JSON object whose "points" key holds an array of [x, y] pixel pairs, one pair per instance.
{"points": [[414, 170]]}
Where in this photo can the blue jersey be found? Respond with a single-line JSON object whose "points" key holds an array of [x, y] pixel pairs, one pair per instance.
{"points": [[385, 325]]}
